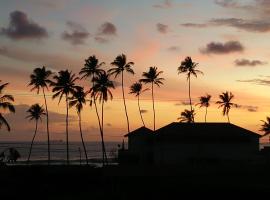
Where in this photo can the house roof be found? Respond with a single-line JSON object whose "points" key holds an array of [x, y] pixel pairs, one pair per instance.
{"points": [[204, 132], [140, 131]]}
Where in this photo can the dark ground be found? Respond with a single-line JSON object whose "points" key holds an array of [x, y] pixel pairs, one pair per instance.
{"points": [[137, 182]]}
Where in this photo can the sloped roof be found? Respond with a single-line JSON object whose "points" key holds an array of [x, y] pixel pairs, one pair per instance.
{"points": [[140, 131], [204, 132]]}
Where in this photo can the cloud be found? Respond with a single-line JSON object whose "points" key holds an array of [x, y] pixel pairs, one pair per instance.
{"points": [[248, 63], [78, 34], [256, 81], [223, 48], [248, 108], [194, 25], [109, 124], [174, 48], [183, 103], [20, 27], [108, 29], [101, 40], [247, 25], [164, 5], [144, 111], [162, 28]]}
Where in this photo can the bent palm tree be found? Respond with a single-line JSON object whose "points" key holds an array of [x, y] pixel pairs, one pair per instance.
{"points": [[226, 103], [35, 113], [5, 105], [266, 126], [187, 116], [205, 102], [189, 67], [64, 85], [152, 77], [39, 79], [136, 89], [122, 65], [101, 90], [78, 100]]}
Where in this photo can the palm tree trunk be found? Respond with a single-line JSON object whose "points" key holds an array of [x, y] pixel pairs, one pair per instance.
{"points": [[140, 110], [102, 127], [28, 159], [67, 130], [48, 132], [154, 112], [228, 118], [205, 114], [84, 148], [123, 93], [189, 94]]}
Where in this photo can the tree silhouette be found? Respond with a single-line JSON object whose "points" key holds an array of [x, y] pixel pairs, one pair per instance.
{"points": [[122, 65], [205, 102], [78, 100], [35, 113], [266, 126], [225, 102], [187, 116], [101, 91], [5, 105], [39, 79], [64, 85], [152, 77], [136, 89], [189, 67]]}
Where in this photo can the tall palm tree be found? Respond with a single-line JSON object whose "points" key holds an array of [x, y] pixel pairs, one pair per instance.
{"points": [[35, 113], [225, 102], [64, 85], [205, 102], [122, 65], [152, 77], [78, 100], [136, 89], [187, 116], [39, 79], [189, 67], [101, 90], [266, 126], [5, 105]]}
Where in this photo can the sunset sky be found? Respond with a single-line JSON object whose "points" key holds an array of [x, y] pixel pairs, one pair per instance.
{"points": [[228, 38]]}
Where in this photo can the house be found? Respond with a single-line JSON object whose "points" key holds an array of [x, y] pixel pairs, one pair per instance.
{"points": [[185, 143]]}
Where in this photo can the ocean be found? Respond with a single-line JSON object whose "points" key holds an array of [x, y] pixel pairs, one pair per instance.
{"points": [[58, 151]]}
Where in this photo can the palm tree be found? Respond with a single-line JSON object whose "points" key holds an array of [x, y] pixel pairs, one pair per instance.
{"points": [[152, 77], [5, 105], [189, 67], [39, 79], [226, 103], [136, 89], [205, 102], [266, 126], [64, 85], [78, 100], [101, 90], [35, 113], [187, 116], [122, 65]]}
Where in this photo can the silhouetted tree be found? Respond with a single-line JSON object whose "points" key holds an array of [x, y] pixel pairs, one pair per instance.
{"points": [[122, 65], [35, 113], [187, 116], [189, 67], [137, 90], [101, 90], [64, 85], [39, 79], [152, 77], [225, 102], [5, 105], [205, 102], [78, 100], [266, 126]]}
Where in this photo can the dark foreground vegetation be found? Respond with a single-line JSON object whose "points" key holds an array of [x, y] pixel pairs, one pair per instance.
{"points": [[126, 182]]}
